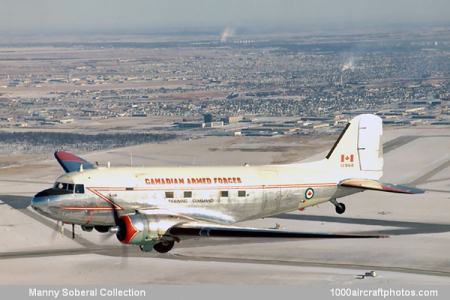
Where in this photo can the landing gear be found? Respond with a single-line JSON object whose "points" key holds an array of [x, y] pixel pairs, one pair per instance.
{"points": [[340, 207], [87, 228], [101, 228], [164, 246], [146, 247]]}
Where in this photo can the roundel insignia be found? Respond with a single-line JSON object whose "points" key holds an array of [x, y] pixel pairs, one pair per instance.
{"points": [[309, 193]]}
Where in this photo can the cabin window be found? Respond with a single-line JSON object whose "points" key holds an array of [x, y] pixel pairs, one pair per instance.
{"points": [[223, 193], [242, 194], [187, 194], [79, 188], [169, 194]]}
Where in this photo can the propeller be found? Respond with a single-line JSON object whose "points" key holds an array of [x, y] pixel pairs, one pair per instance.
{"points": [[58, 229], [106, 236], [118, 230], [117, 222]]}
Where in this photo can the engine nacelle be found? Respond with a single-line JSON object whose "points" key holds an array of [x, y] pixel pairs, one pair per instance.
{"points": [[139, 229]]}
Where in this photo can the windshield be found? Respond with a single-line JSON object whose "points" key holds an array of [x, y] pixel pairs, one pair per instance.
{"points": [[69, 187], [63, 186]]}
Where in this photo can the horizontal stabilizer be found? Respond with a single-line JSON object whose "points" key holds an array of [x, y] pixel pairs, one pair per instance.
{"points": [[368, 184], [246, 232], [72, 163]]}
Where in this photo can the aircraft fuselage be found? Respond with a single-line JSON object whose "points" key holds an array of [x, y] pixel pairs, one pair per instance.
{"points": [[223, 195]]}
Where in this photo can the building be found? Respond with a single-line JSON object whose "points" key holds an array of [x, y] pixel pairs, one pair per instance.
{"points": [[214, 124], [190, 125], [207, 118], [231, 119]]}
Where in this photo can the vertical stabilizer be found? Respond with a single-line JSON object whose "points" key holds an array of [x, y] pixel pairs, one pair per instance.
{"points": [[359, 148]]}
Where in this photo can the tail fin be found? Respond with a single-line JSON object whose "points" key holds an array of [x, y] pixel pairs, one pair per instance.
{"points": [[358, 152]]}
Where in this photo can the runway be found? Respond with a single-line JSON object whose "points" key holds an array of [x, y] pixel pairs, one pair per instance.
{"points": [[415, 252]]}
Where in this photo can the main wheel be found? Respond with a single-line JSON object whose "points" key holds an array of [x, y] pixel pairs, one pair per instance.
{"points": [[163, 247], [340, 208], [87, 228], [101, 228]]}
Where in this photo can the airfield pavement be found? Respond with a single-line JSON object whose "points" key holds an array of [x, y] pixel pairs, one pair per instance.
{"points": [[32, 251]]}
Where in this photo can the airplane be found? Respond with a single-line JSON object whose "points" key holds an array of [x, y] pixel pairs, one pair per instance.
{"points": [[154, 207]]}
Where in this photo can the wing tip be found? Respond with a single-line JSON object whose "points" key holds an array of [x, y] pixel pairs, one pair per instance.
{"points": [[67, 156], [402, 189], [383, 236], [363, 236], [70, 162]]}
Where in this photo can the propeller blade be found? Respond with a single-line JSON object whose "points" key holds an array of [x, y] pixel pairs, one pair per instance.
{"points": [[114, 211], [106, 236], [124, 256], [56, 231]]}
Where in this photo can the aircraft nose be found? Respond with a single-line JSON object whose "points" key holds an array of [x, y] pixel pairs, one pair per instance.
{"points": [[40, 200]]}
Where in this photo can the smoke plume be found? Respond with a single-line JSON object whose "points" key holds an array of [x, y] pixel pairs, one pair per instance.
{"points": [[227, 33], [349, 65]]}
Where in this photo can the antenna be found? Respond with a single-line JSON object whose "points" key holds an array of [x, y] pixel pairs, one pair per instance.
{"points": [[131, 158]]}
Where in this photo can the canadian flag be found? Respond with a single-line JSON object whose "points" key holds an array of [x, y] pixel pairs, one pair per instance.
{"points": [[347, 158]]}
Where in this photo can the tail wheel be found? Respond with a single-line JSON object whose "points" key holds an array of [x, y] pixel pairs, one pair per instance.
{"points": [[340, 208], [163, 247]]}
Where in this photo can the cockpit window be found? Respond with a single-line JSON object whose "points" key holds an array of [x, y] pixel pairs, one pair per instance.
{"points": [[64, 186], [79, 188]]}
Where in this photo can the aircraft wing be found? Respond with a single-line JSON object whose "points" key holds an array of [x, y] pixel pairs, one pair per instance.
{"points": [[210, 230], [72, 163], [368, 184]]}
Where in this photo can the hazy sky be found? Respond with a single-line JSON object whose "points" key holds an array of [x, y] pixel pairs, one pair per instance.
{"points": [[28, 16]]}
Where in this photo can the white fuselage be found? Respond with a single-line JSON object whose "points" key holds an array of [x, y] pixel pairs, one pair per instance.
{"points": [[223, 195]]}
